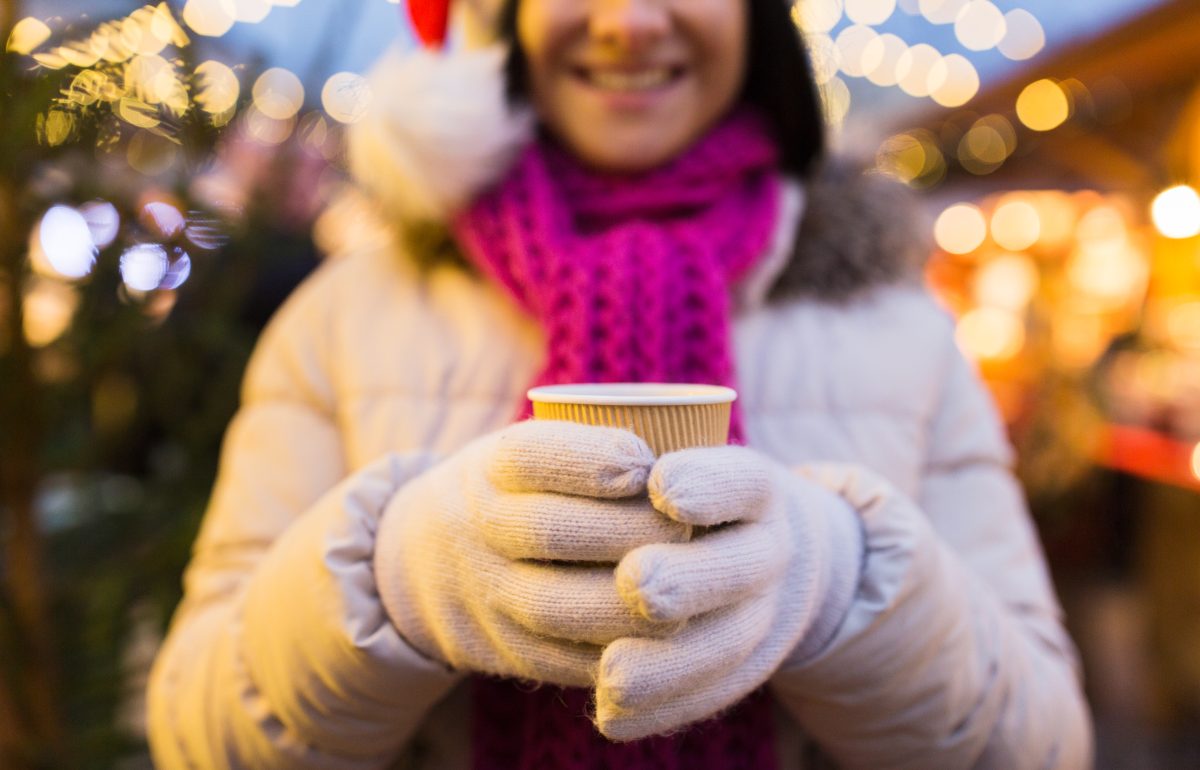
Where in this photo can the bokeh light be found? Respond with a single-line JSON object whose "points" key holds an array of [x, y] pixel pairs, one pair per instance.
{"points": [[1196, 461], [1023, 37], [914, 158], [1008, 282], [990, 334], [211, 18], [251, 11], [217, 87], [1106, 266], [267, 130], [816, 16], [858, 55], [987, 144], [960, 229], [915, 70], [26, 35], [979, 25], [870, 12], [941, 11], [957, 80], [278, 94], [346, 97], [1176, 212], [103, 221], [1016, 225], [166, 220], [151, 154], [66, 242], [885, 50], [177, 272], [1057, 214], [1183, 325], [48, 307], [1043, 105], [143, 266]]}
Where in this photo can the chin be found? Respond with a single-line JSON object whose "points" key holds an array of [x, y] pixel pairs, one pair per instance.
{"points": [[627, 154]]}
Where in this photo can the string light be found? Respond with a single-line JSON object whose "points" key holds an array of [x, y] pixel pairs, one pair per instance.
{"points": [[211, 18], [1043, 105], [870, 12], [957, 79], [278, 94], [979, 25], [1023, 35], [960, 229], [346, 97]]}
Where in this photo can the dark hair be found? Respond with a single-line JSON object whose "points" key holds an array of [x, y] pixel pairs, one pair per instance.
{"points": [[779, 81]]}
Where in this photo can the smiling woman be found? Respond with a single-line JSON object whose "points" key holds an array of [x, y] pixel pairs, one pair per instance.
{"points": [[858, 573]]}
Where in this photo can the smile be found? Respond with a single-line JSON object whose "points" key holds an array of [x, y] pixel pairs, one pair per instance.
{"points": [[631, 80]]}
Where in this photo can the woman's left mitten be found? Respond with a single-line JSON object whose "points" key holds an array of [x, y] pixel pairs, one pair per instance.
{"points": [[768, 577]]}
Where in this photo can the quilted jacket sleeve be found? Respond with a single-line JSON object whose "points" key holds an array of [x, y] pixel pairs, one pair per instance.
{"points": [[953, 653], [280, 655]]}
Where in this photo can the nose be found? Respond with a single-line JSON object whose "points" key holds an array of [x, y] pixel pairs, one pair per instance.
{"points": [[629, 24]]}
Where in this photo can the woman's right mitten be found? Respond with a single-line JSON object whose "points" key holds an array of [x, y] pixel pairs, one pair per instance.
{"points": [[501, 558]]}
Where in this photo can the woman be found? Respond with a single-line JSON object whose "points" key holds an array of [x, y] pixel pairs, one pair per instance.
{"points": [[391, 572]]}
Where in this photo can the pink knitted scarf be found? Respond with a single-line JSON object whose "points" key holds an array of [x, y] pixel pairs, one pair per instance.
{"points": [[629, 277]]}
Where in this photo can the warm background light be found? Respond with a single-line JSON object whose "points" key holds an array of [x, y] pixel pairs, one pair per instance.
{"points": [[989, 333], [1016, 225], [1176, 212], [1008, 282], [960, 229], [1043, 105]]}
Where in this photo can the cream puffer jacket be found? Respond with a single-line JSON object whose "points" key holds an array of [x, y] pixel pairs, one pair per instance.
{"points": [[281, 656], [953, 652]]}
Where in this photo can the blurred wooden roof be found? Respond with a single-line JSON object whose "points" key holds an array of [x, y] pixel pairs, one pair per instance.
{"points": [[1137, 80]]}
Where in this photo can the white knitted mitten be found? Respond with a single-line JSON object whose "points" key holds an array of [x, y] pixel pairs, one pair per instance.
{"points": [[769, 581], [463, 556]]}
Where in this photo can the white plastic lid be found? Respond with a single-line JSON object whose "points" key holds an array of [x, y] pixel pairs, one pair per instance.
{"points": [[632, 394]]}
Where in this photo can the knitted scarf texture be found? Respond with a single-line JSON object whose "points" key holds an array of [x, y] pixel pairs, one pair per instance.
{"points": [[629, 277]]}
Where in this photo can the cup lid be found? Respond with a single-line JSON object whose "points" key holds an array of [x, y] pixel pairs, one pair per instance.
{"points": [[632, 394]]}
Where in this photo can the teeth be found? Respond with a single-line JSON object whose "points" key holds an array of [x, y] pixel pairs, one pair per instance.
{"points": [[630, 81]]}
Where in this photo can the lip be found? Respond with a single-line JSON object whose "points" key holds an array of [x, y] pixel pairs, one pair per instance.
{"points": [[629, 101]]}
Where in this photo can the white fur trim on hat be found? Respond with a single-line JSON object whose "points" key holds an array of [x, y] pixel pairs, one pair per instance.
{"points": [[438, 132]]}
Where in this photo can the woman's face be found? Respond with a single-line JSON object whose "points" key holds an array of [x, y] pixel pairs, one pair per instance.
{"points": [[629, 84]]}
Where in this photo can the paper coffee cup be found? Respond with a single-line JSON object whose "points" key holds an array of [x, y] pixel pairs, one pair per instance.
{"points": [[668, 416]]}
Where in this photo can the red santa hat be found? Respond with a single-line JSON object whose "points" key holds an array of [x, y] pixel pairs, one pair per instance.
{"points": [[439, 129]]}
